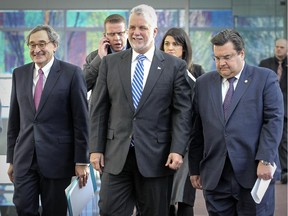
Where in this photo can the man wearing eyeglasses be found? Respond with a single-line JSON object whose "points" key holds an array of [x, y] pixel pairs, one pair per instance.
{"points": [[47, 138], [237, 126], [114, 40]]}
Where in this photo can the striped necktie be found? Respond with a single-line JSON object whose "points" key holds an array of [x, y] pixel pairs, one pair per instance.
{"points": [[38, 89], [137, 82]]}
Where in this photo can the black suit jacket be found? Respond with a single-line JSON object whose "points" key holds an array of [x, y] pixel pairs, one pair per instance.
{"points": [[161, 123], [272, 63], [58, 132]]}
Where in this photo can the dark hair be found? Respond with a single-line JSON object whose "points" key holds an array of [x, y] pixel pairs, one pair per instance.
{"points": [[229, 35], [114, 18], [180, 37], [52, 34]]}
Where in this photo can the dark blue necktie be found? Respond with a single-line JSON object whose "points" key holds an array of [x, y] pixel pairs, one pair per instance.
{"points": [[228, 96], [137, 82]]}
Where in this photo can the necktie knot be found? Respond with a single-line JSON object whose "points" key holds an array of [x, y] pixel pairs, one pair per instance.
{"points": [[40, 72], [231, 80], [141, 57]]}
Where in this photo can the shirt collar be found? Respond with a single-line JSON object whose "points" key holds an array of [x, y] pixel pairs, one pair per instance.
{"points": [[46, 68], [149, 54], [236, 76]]}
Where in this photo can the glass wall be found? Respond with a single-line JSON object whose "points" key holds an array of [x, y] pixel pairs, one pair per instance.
{"points": [[81, 30]]}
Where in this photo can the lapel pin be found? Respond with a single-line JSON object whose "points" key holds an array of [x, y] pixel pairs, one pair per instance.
{"points": [[246, 81], [159, 68]]}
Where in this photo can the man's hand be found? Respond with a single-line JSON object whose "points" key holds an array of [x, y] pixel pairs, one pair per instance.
{"points": [[97, 161], [264, 171], [196, 181], [10, 173], [82, 171], [103, 47], [174, 161]]}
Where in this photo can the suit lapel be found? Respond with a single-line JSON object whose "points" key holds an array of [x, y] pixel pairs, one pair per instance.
{"points": [[30, 86], [242, 85], [50, 83], [124, 69], [157, 66], [216, 95]]}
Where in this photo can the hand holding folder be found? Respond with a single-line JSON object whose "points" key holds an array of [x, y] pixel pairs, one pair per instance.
{"points": [[260, 187], [79, 197]]}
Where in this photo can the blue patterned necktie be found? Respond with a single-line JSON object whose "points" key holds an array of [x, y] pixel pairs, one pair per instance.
{"points": [[137, 82], [38, 89], [228, 96]]}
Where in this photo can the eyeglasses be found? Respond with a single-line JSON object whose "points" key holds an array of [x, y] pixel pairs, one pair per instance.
{"points": [[226, 58], [41, 45], [112, 34]]}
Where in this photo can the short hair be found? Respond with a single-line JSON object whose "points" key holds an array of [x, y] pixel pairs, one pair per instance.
{"points": [[229, 35], [147, 12], [180, 37], [114, 18], [52, 34]]}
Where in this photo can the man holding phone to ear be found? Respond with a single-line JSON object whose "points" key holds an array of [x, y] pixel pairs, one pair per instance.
{"points": [[114, 40]]}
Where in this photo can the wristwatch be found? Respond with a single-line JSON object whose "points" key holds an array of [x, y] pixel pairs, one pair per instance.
{"points": [[266, 163]]}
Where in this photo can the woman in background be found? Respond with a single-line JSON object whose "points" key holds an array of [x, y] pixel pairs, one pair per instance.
{"points": [[176, 42]]}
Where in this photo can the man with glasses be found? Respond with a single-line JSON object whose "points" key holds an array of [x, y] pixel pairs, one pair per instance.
{"points": [[114, 40], [47, 139], [237, 126]]}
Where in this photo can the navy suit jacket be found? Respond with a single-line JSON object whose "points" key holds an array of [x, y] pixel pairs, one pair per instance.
{"points": [[272, 63], [161, 123], [251, 133], [58, 132]]}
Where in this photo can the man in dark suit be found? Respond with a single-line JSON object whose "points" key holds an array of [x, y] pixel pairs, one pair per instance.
{"points": [[138, 147], [233, 144], [114, 40], [279, 64], [47, 140]]}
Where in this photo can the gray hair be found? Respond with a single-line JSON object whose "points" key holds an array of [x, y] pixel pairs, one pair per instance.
{"points": [[147, 12], [52, 34]]}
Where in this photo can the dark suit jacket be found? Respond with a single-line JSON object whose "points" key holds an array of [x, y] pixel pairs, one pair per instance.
{"points": [[252, 131], [58, 131], [161, 123], [272, 63]]}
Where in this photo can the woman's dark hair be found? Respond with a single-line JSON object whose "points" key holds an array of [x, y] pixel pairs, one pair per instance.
{"points": [[180, 37]]}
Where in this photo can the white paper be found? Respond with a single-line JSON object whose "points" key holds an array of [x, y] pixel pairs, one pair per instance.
{"points": [[260, 187], [78, 197]]}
